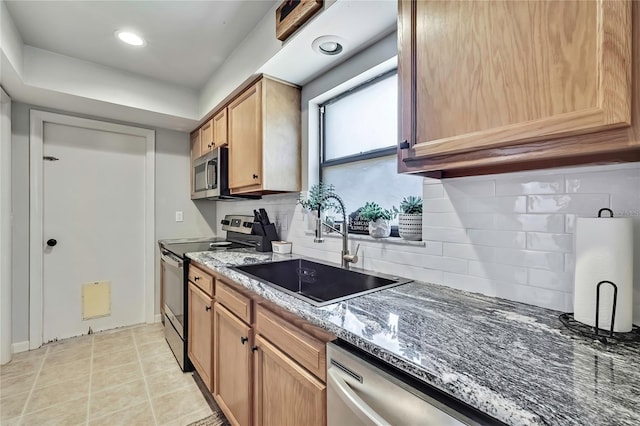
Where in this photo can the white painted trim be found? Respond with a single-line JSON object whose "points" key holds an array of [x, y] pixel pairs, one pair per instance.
{"points": [[157, 318], [36, 238], [20, 347], [5, 228]]}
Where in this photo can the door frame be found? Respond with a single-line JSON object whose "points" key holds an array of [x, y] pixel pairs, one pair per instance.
{"points": [[36, 214]]}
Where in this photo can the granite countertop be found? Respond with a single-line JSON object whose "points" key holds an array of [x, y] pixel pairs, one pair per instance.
{"points": [[512, 361]]}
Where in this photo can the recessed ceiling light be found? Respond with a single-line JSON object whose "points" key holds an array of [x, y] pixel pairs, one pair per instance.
{"points": [[328, 45], [130, 38]]}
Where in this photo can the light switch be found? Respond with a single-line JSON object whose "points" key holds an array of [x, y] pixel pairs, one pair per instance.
{"points": [[179, 217]]}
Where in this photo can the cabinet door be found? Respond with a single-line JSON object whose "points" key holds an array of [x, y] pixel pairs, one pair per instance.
{"points": [[232, 366], [285, 393], [220, 129], [200, 339], [245, 140], [492, 75], [195, 145], [206, 137]]}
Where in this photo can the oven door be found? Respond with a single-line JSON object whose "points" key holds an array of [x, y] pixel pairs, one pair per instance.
{"points": [[174, 290]]}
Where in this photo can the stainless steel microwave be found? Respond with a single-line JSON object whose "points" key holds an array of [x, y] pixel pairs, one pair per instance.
{"points": [[210, 175]]}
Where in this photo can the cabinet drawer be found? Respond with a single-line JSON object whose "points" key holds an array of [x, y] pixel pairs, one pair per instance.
{"points": [[237, 303], [201, 279], [307, 351]]}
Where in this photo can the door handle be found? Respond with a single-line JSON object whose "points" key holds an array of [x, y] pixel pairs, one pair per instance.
{"points": [[51, 242]]}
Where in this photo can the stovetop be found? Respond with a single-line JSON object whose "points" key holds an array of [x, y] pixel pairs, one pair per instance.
{"points": [[216, 244]]}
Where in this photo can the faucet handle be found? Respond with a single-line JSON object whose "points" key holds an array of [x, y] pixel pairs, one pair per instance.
{"points": [[352, 258]]}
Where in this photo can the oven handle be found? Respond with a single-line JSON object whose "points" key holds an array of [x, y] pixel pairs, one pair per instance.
{"points": [[171, 259]]}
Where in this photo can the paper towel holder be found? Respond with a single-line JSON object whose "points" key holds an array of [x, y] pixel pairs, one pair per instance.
{"points": [[570, 322]]}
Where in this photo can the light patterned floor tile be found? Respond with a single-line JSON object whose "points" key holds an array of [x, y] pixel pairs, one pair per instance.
{"points": [[103, 361], [20, 368], [60, 392], [67, 344], [138, 415], [159, 363], [150, 337], [168, 381], [175, 405], [54, 373], [71, 355], [11, 406], [116, 398], [67, 413], [16, 384], [148, 350], [103, 379]]}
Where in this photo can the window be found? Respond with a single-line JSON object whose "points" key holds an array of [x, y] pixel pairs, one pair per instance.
{"points": [[358, 137]]}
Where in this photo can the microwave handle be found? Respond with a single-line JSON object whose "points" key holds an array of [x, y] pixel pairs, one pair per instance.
{"points": [[215, 174], [206, 175]]}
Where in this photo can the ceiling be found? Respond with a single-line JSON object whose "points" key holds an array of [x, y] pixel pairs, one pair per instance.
{"points": [[210, 30]]}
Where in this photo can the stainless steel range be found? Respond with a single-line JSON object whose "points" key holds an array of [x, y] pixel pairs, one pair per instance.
{"points": [[242, 233]]}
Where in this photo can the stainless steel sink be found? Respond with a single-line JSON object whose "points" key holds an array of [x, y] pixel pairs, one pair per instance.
{"points": [[317, 283]]}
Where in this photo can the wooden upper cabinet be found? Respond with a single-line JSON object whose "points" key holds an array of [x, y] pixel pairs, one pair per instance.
{"points": [[245, 140], [264, 138], [483, 84], [195, 145], [206, 137], [220, 129]]}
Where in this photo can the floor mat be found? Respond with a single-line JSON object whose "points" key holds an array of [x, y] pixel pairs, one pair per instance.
{"points": [[216, 419]]}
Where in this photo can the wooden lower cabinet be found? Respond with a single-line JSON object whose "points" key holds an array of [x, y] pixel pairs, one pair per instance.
{"points": [[200, 341], [232, 366], [285, 393]]}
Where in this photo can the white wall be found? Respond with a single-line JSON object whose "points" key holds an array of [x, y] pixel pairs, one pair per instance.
{"points": [[172, 193]]}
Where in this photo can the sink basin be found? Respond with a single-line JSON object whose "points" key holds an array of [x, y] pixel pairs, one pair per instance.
{"points": [[318, 283]]}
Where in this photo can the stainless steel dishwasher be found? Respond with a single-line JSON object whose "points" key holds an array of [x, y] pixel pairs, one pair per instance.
{"points": [[360, 393]]}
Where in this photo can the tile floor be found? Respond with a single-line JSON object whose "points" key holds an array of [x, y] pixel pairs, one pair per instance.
{"points": [[125, 377]]}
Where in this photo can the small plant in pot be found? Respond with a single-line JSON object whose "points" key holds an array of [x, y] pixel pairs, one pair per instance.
{"points": [[410, 220], [316, 200], [379, 219]]}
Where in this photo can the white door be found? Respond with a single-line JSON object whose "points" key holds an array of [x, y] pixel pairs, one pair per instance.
{"points": [[93, 204]]}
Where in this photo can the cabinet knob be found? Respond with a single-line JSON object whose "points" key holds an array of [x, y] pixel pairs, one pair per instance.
{"points": [[243, 340], [254, 348], [255, 176], [207, 308], [196, 278]]}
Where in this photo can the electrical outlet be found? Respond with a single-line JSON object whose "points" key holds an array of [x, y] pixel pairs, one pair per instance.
{"points": [[179, 216]]}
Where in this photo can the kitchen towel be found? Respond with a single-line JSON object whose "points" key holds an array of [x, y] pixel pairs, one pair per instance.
{"points": [[604, 251]]}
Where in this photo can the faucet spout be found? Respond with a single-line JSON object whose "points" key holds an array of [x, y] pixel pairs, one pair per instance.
{"points": [[346, 258]]}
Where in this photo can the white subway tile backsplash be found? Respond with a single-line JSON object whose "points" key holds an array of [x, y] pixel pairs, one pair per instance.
{"points": [[560, 281], [432, 191], [583, 204], [451, 235], [497, 272], [513, 239], [508, 235], [550, 242], [529, 222], [552, 261], [530, 185], [469, 251]]}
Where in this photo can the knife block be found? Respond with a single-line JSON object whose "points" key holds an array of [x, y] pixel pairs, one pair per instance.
{"points": [[267, 233]]}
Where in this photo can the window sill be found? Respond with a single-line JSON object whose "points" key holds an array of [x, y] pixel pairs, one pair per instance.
{"points": [[396, 241]]}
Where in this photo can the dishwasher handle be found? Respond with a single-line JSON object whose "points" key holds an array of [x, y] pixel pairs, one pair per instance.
{"points": [[171, 259], [353, 401]]}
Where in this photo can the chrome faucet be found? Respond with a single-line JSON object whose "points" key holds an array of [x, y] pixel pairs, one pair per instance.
{"points": [[346, 257]]}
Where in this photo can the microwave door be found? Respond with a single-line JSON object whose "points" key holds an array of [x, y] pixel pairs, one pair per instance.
{"points": [[200, 177]]}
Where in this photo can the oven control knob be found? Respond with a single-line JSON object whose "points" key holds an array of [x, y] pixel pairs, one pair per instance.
{"points": [[225, 222], [247, 224]]}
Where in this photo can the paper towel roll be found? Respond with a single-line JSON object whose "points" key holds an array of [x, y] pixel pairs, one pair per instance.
{"points": [[604, 252]]}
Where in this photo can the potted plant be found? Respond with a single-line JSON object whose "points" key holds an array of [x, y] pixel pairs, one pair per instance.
{"points": [[410, 220], [379, 226], [316, 201]]}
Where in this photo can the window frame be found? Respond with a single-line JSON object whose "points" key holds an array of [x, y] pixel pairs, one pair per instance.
{"points": [[367, 155]]}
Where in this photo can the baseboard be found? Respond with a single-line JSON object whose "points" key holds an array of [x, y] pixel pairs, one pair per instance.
{"points": [[19, 347], [157, 318]]}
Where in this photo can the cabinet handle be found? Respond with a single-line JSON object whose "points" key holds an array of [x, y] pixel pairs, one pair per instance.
{"points": [[404, 144], [243, 340], [254, 348], [255, 176], [196, 278], [207, 308]]}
